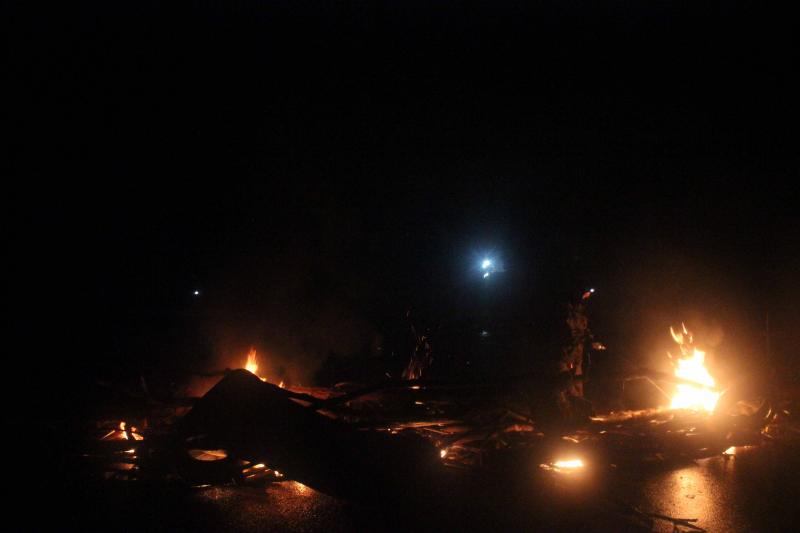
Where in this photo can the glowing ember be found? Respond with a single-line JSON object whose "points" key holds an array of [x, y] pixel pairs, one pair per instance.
{"points": [[564, 465], [570, 464], [443, 453], [299, 488], [734, 450], [691, 367], [208, 455]]}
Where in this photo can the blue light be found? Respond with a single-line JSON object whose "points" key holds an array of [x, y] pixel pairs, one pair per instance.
{"points": [[486, 264]]}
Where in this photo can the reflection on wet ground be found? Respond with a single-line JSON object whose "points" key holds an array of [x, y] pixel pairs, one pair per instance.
{"points": [[751, 489], [754, 490]]}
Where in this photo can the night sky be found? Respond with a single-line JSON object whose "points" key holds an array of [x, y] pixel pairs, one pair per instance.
{"points": [[316, 170]]}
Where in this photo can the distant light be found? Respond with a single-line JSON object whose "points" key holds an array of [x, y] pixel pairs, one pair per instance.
{"points": [[486, 264], [484, 333], [485, 275], [196, 293]]}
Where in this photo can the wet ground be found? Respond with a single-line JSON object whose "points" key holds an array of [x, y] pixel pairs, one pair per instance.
{"points": [[757, 489]]}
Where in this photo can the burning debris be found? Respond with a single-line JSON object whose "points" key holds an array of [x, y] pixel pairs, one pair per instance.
{"points": [[246, 430], [258, 420], [122, 433], [564, 465]]}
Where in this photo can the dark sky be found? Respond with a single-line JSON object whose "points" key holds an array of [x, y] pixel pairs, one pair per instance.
{"points": [[315, 169]]}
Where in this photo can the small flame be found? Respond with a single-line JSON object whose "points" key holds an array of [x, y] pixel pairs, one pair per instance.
{"points": [[252, 366], [569, 464], [691, 367], [565, 466], [443, 453], [123, 432]]}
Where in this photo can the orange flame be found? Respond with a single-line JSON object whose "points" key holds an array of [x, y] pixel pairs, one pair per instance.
{"points": [[123, 432], [251, 365], [691, 367], [569, 464]]}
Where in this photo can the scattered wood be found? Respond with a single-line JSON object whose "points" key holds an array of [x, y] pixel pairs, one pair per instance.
{"points": [[257, 420]]}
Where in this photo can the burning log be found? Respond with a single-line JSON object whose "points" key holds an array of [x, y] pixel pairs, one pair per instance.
{"points": [[259, 421]]}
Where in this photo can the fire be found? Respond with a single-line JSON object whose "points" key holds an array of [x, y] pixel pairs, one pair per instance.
{"points": [[123, 432], [569, 464], [251, 365], [691, 367], [566, 466]]}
